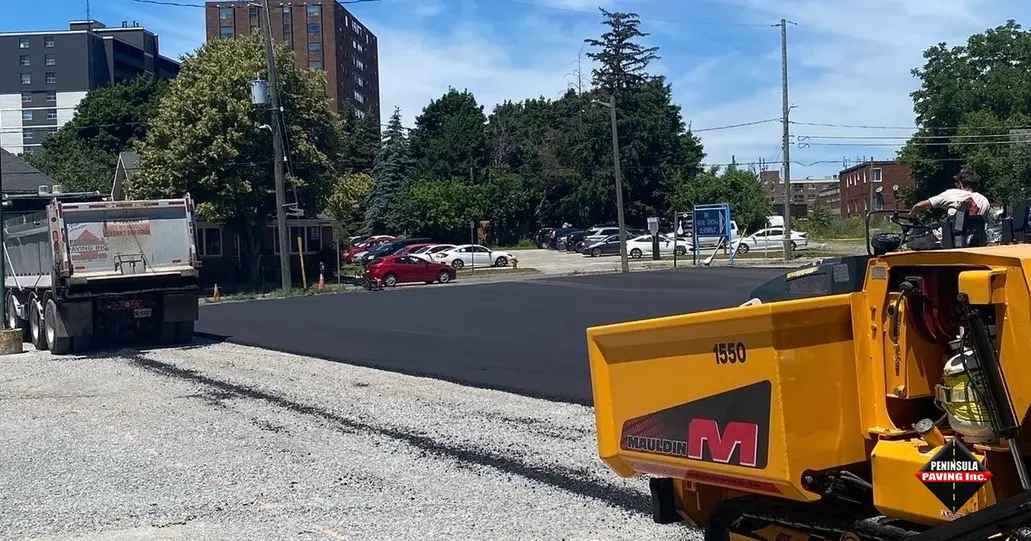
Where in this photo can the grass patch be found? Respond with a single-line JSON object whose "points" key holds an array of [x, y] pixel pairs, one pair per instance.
{"points": [[494, 271], [280, 294]]}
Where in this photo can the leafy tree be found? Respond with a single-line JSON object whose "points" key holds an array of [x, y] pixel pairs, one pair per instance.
{"points": [[449, 138], [985, 87], [83, 153], [622, 62], [741, 189], [347, 201], [392, 173], [207, 138], [442, 208]]}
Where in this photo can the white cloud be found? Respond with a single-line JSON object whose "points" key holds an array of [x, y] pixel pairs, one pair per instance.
{"points": [[849, 64]]}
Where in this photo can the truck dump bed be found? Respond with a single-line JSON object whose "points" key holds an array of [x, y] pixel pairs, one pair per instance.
{"points": [[112, 239]]}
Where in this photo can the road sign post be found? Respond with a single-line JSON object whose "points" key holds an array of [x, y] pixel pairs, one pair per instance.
{"points": [[653, 228]]}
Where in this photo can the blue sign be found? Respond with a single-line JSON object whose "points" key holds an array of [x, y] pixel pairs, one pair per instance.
{"points": [[711, 226], [709, 222]]}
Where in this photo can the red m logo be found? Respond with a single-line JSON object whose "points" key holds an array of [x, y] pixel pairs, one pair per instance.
{"points": [[737, 435]]}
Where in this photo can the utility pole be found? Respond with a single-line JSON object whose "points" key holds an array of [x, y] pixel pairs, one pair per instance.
{"points": [[282, 236], [619, 185], [787, 134]]}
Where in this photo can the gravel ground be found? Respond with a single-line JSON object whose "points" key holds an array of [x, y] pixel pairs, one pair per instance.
{"points": [[224, 441]]}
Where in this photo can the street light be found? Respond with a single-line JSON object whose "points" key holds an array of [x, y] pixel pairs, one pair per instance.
{"points": [[619, 181]]}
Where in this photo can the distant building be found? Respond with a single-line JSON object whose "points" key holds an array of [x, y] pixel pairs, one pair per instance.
{"points": [[46, 74], [804, 192], [873, 185], [829, 198], [323, 35]]}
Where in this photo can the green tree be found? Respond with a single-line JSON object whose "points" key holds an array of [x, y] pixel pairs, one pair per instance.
{"points": [[208, 139], [392, 174], [83, 153], [622, 61], [442, 209], [348, 199], [749, 204], [360, 142], [983, 86], [449, 138]]}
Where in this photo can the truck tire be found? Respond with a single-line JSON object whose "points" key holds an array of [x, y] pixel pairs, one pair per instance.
{"points": [[59, 345], [13, 321], [37, 335]]}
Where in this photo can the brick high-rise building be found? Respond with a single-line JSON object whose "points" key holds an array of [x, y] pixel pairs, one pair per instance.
{"points": [[323, 36]]}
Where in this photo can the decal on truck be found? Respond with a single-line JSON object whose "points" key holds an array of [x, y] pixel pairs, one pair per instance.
{"points": [[125, 229], [86, 244], [728, 428]]}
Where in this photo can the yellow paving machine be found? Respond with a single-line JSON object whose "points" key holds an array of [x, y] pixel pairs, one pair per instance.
{"points": [[880, 397]]}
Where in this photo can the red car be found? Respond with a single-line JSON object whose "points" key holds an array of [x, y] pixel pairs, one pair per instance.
{"points": [[397, 269]]}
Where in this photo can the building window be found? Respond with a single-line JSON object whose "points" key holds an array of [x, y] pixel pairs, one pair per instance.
{"points": [[48, 42], [51, 115], [26, 116], [23, 43], [876, 175], [50, 78], [359, 81], [255, 20], [209, 241], [359, 64], [225, 14], [24, 60], [288, 27], [26, 99], [26, 79], [314, 47], [313, 10], [314, 28], [49, 60], [360, 114], [358, 97], [51, 97], [227, 31], [315, 64]]}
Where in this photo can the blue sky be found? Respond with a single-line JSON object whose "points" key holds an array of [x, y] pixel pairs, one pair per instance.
{"points": [[849, 61]]}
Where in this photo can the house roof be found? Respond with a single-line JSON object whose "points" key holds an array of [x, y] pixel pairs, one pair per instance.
{"points": [[20, 177], [125, 170]]}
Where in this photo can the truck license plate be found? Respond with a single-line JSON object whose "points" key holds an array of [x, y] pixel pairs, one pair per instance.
{"points": [[140, 313]]}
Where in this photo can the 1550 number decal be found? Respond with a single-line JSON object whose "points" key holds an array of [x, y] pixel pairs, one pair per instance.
{"points": [[730, 352]]}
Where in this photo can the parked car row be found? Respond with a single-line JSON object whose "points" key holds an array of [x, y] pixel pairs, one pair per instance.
{"points": [[604, 240], [390, 261]]}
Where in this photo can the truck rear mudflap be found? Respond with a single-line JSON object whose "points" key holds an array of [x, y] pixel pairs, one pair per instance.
{"points": [[730, 397]]}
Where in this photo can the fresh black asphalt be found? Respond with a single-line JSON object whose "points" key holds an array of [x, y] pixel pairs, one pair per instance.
{"points": [[526, 337]]}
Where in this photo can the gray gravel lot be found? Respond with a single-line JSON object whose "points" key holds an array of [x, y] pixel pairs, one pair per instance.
{"points": [[224, 441]]}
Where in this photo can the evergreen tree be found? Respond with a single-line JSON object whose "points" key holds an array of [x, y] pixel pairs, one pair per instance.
{"points": [[622, 62], [392, 175], [361, 140]]}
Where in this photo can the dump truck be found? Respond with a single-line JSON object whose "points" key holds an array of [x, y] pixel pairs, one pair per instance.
{"points": [[876, 397], [79, 268]]}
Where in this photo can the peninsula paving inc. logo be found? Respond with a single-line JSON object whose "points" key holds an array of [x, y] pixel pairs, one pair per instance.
{"points": [[954, 475]]}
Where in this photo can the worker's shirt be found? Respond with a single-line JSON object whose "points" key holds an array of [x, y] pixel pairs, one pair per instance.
{"points": [[952, 198]]}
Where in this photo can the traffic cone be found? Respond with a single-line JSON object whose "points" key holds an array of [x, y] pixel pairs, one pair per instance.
{"points": [[322, 281], [216, 295]]}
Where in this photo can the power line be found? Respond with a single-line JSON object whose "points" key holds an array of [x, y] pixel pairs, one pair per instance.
{"points": [[741, 125], [986, 136], [961, 143], [188, 5], [911, 128]]}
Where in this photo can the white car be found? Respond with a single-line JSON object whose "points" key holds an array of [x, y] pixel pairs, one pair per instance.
{"points": [[466, 255], [431, 249], [641, 246], [771, 239]]}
